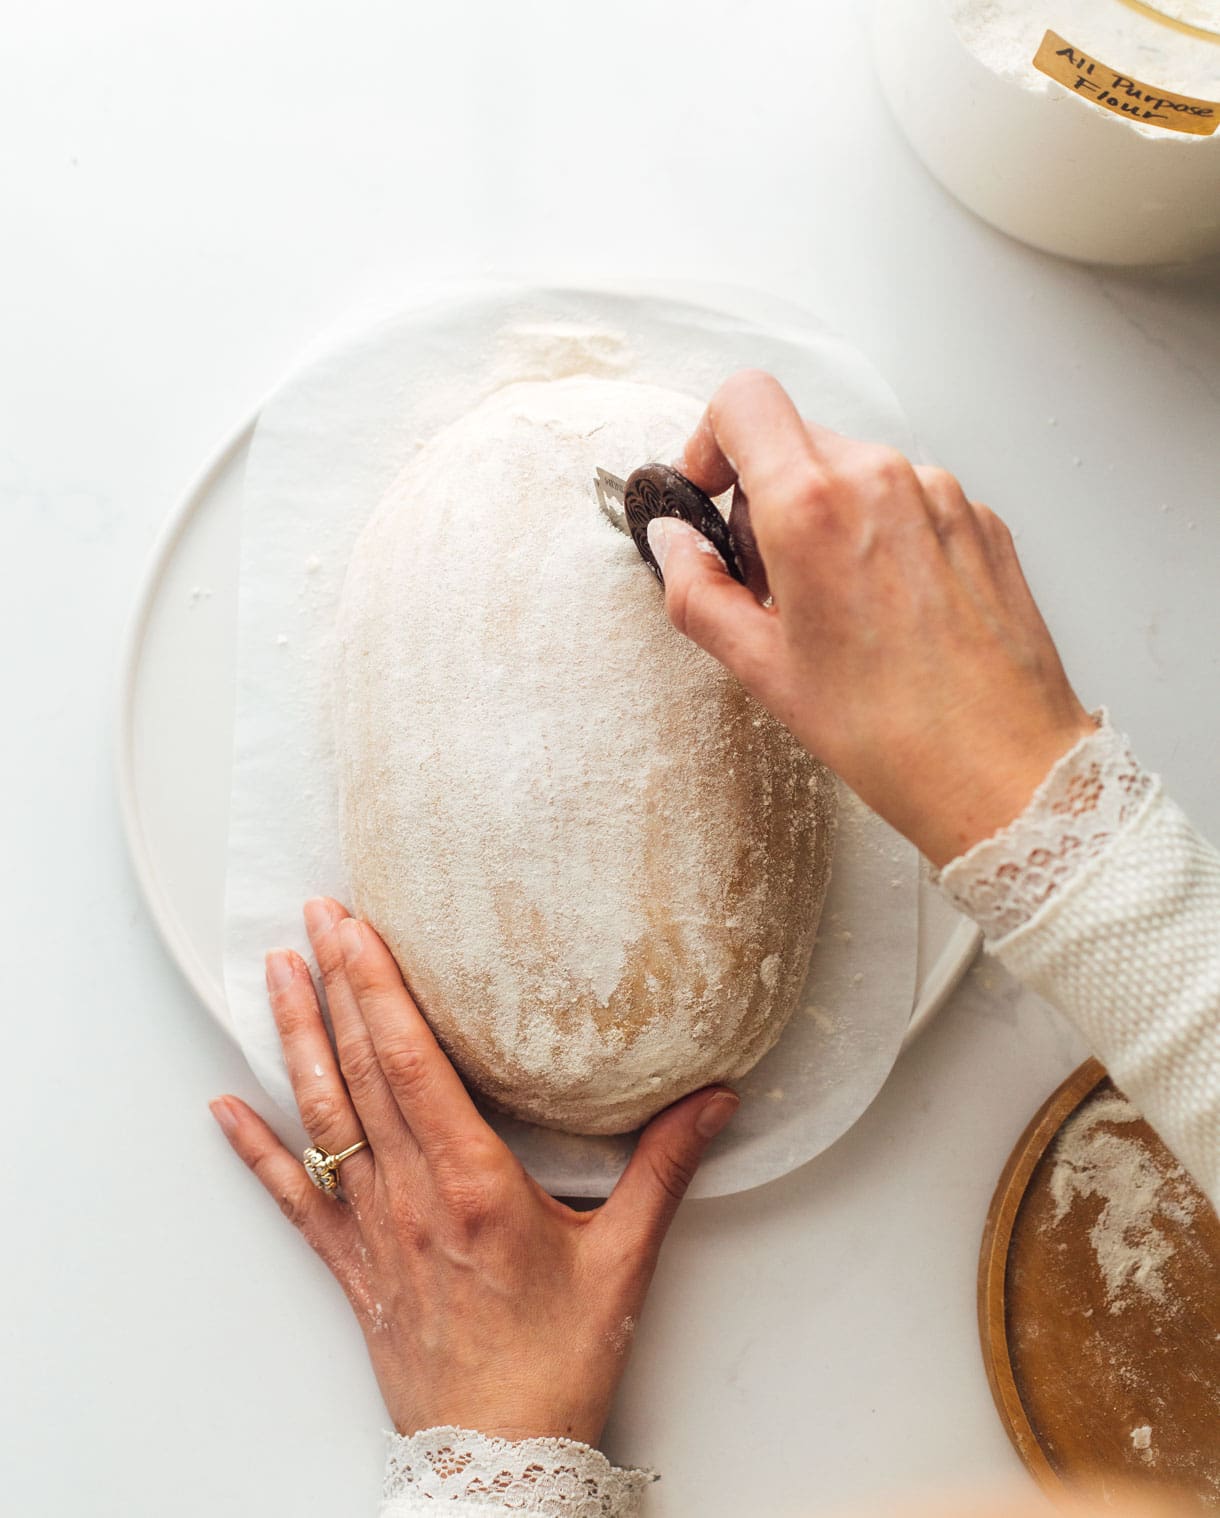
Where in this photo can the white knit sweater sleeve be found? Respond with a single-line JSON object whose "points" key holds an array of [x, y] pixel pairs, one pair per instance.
{"points": [[1104, 899], [459, 1473]]}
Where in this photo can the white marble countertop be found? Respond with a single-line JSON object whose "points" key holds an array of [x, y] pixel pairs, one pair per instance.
{"points": [[186, 203]]}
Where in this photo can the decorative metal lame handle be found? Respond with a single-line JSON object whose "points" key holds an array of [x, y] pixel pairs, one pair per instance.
{"points": [[659, 491]]}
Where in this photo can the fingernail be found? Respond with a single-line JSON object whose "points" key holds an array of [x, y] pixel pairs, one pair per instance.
{"points": [[224, 1115], [664, 532], [320, 914], [350, 939], [660, 537], [278, 966], [715, 1113]]}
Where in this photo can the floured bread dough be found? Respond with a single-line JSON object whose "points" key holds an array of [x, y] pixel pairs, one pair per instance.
{"points": [[599, 864]]}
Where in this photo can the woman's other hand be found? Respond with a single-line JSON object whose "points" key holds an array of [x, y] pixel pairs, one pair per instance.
{"points": [[903, 646], [484, 1302]]}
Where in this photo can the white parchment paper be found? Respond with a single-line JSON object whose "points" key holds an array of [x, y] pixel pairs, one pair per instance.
{"points": [[327, 446]]}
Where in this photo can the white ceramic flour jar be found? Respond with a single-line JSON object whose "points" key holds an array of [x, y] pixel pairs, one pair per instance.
{"points": [[1090, 128]]}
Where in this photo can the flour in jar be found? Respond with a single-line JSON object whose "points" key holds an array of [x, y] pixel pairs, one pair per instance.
{"points": [[1004, 35]]}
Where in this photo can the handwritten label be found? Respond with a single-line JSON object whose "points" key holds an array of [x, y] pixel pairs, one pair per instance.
{"points": [[1105, 86]]}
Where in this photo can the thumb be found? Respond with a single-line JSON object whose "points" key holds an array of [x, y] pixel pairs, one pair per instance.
{"points": [[666, 1158], [709, 606]]}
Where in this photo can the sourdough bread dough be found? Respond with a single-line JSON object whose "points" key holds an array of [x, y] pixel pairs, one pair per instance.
{"points": [[599, 864]]}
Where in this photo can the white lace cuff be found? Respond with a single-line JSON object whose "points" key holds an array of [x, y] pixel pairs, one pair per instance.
{"points": [[473, 1473], [1090, 795]]}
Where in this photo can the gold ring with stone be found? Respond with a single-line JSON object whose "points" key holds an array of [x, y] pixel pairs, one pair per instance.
{"points": [[323, 1169]]}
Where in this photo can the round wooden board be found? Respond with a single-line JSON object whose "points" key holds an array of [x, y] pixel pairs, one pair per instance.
{"points": [[1099, 1301]]}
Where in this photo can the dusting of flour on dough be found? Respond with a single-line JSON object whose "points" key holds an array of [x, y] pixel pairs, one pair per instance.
{"points": [[531, 755]]}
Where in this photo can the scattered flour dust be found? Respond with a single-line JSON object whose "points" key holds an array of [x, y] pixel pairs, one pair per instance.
{"points": [[621, 1335], [1141, 1438], [550, 350], [1091, 1160]]}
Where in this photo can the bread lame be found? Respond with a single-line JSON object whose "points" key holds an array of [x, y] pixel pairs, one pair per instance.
{"points": [[656, 490]]}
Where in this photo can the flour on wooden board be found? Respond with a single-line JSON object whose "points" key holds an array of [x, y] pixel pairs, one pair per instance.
{"points": [[1130, 1249]]}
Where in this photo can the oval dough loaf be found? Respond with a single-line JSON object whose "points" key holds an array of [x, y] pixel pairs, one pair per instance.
{"points": [[599, 863]]}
